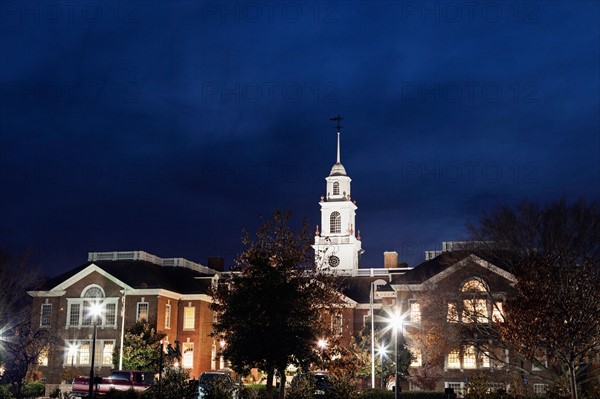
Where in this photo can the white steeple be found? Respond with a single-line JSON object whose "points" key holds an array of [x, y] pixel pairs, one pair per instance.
{"points": [[336, 247]]}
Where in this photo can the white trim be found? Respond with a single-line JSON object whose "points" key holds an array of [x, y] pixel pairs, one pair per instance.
{"points": [[86, 272], [448, 271], [43, 294]]}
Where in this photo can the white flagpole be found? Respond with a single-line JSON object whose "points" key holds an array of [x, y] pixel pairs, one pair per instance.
{"points": [[122, 329], [372, 339]]}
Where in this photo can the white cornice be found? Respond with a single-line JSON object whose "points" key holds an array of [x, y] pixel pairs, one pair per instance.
{"points": [[445, 273], [46, 293], [86, 272]]}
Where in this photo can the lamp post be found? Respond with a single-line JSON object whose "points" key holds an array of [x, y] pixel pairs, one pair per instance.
{"points": [[322, 345], [396, 323], [72, 352], [381, 352], [95, 310]]}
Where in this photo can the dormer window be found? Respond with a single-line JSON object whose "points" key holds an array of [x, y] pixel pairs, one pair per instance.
{"points": [[335, 222], [336, 188]]}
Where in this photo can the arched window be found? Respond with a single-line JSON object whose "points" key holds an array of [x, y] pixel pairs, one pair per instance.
{"points": [[92, 294], [335, 222], [475, 302], [474, 285], [93, 291], [336, 188]]}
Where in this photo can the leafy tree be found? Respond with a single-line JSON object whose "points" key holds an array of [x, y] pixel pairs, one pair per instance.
{"points": [[141, 349], [271, 310], [554, 251]]}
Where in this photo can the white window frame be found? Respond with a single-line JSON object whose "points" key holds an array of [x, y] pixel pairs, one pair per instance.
{"points": [[335, 222], [453, 315], [469, 358], [186, 319], [187, 355], [459, 387], [81, 317], [107, 355], [415, 312], [46, 316], [337, 323], [137, 311], [168, 316], [455, 365]]}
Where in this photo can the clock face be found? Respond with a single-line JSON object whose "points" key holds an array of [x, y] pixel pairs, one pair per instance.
{"points": [[334, 261]]}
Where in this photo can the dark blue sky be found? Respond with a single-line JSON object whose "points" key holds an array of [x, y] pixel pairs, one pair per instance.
{"points": [[170, 126]]}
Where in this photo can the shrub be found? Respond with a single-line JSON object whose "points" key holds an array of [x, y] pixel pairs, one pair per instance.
{"points": [[376, 394], [33, 389], [344, 387], [5, 392], [381, 394]]}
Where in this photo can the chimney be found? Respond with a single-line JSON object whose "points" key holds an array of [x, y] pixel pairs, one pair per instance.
{"points": [[216, 263], [390, 259]]}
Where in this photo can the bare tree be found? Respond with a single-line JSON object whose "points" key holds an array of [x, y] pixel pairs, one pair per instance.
{"points": [[554, 251], [20, 345]]}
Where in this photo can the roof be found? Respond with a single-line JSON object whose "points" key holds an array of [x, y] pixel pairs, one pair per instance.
{"points": [[141, 274], [338, 170], [432, 267], [359, 288]]}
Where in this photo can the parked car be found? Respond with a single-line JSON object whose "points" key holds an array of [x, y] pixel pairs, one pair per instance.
{"points": [[319, 379], [216, 380], [121, 380]]}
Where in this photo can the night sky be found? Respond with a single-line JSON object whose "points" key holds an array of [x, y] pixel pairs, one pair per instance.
{"points": [[170, 126]]}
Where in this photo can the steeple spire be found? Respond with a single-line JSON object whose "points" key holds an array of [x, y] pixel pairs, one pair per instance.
{"points": [[338, 149], [338, 119]]}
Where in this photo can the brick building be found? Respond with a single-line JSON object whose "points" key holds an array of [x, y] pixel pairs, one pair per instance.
{"points": [[171, 294]]}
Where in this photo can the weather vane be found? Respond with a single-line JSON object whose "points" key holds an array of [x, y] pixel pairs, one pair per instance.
{"points": [[337, 119]]}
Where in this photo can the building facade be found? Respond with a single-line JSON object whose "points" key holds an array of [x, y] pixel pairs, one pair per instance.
{"points": [[172, 295]]}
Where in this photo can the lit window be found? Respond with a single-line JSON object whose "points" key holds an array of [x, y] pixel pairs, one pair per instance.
{"points": [[107, 353], [84, 353], [167, 316], [336, 188], [87, 316], [452, 312], [415, 312], [485, 360], [111, 314], [474, 285], [189, 317], [142, 311], [469, 358], [336, 324], [74, 309], [43, 358], [475, 310], [335, 222], [188, 355], [46, 314], [416, 357], [453, 360], [498, 313]]}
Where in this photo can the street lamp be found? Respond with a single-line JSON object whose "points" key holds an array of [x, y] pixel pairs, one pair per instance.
{"points": [[396, 322], [322, 344], [72, 353], [381, 351], [94, 312]]}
